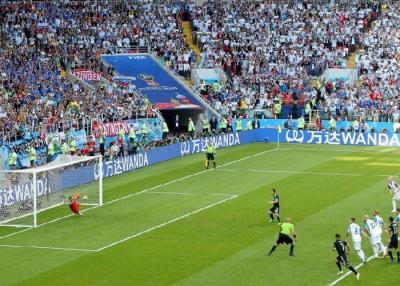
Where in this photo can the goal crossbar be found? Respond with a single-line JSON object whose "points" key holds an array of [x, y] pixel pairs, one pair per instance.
{"points": [[70, 160], [39, 189]]}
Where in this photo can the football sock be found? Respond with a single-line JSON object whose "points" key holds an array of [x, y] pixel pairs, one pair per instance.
{"points": [[394, 205], [375, 250], [272, 249], [352, 269], [338, 265], [390, 254], [398, 255], [278, 218], [361, 254], [271, 216], [382, 247], [291, 249], [215, 165]]}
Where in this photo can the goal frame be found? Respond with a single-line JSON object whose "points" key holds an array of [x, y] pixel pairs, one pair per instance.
{"points": [[48, 167]]}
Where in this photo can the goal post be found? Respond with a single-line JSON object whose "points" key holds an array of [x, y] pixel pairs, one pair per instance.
{"points": [[28, 192]]}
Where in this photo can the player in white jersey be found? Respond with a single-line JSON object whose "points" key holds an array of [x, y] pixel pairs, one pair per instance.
{"points": [[394, 190], [355, 231], [372, 230], [397, 219], [380, 224]]}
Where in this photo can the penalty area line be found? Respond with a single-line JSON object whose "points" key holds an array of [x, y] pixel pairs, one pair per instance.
{"points": [[47, 247], [349, 273], [165, 224], [45, 223], [141, 192], [189, 194]]}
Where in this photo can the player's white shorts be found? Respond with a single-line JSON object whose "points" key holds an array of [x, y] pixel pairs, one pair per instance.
{"points": [[375, 239], [396, 196], [357, 246]]}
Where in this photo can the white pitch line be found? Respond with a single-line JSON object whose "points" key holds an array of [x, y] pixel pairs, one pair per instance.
{"points": [[141, 192], [47, 247], [348, 273], [190, 194], [153, 228], [222, 195], [304, 173], [164, 224], [171, 193], [45, 223]]}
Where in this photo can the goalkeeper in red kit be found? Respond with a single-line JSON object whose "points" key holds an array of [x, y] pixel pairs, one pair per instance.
{"points": [[74, 205]]}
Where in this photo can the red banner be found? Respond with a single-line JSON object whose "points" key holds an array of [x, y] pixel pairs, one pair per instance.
{"points": [[110, 129], [86, 75]]}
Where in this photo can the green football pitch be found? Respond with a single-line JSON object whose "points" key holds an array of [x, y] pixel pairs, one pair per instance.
{"points": [[176, 224]]}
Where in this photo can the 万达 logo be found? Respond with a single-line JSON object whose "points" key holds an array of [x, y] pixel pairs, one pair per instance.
{"points": [[185, 148], [296, 136]]}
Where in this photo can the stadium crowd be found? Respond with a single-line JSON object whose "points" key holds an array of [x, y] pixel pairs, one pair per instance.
{"points": [[376, 96], [269, 52], [42, 40]]}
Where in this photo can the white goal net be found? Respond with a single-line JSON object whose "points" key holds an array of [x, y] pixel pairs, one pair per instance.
{"points": [[24, 194]]}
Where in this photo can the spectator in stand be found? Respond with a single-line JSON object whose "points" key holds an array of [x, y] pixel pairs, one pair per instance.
{"points": [[85, 150], [213, 124], [120, 146], [319, 125], [396, 126], [364, 126], [91, 145], [102, 142], [114, 150], [270, 50], [289, 123], [56, 38]]}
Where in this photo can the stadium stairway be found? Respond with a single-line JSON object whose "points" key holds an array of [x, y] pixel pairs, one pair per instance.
{"points": [[187, 31], [351, 61]]}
